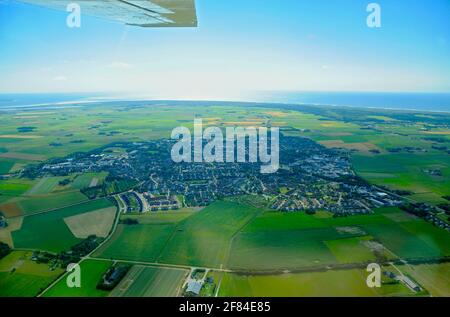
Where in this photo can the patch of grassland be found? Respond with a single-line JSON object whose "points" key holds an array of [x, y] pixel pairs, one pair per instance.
{"points": [[88, 179], [434, 277], [351, 250], [282, 249], [329, 283], [407, 171], [5, 166], [300, 220], [98, 222], [48, 231], [166, 217], [430, 198], [401, 242], [203, 239], [37, 204], [14, 187], [436, 238], [144, 281], [5, 233], [45, 185], [323, 214], [19, 276], [397, 215], [291, 240], [137, 242], [91, 273]]}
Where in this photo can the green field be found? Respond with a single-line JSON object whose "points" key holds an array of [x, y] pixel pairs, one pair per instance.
{"points": [[407, 171], [227, 234], [14, 187], [29, 205], [91, 273], [203, 239], [86, 180], [287, 249], [45, 185], [351, 250], [137, 242], [49, 232], [37, 204], [275, 221], [404, 244], [200, 238], [434, 277], [19, 276], [294, 240], [144, 281], [330, 283], [234, 235], [161, 218], [5, 166]]}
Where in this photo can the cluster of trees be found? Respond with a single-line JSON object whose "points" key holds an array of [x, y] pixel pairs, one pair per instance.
{"points": [[43, 257], [400, 192], [79, 250], [129, 221], [94, 191], [4, 250], [26, 129], [446, 208], [112, 185], [417, 209], [436, 139], [64, 182], [113, 276]]}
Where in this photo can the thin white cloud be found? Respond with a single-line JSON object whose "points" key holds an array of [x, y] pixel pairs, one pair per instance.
{"points": [[59, 78]]}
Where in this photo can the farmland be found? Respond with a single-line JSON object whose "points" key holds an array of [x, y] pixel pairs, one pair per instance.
{"points": [[19, 276], [329, 283], [98, 222], [49, 232], [137, 242], [203, 239], [200, 239], [396, 150], [434, 277], [92, 272], [150, 282], [303, 240]]}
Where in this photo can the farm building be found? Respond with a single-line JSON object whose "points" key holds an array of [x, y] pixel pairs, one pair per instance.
{"points": [[3, 223], [194, 287]]}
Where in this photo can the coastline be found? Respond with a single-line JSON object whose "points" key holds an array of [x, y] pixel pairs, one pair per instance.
{"points": [[87, 101]]}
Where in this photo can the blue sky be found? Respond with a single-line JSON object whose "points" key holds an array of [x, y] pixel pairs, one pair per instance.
{"points": [[239, 46]]}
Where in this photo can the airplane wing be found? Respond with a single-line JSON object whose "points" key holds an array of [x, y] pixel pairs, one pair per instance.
{"points": [[144, 13]]}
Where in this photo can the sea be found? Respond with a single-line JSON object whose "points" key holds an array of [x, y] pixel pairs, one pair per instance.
{"points": [[434, 102], [429, 102]]}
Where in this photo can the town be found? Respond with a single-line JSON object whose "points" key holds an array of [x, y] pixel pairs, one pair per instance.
{"points": [[311, 177]]}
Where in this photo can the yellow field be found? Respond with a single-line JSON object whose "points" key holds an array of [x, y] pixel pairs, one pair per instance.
{"points": [[276, 113], [19, 136], [13, 225], [98, 222], [438, 132], [363, 147], [11, 209]]}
